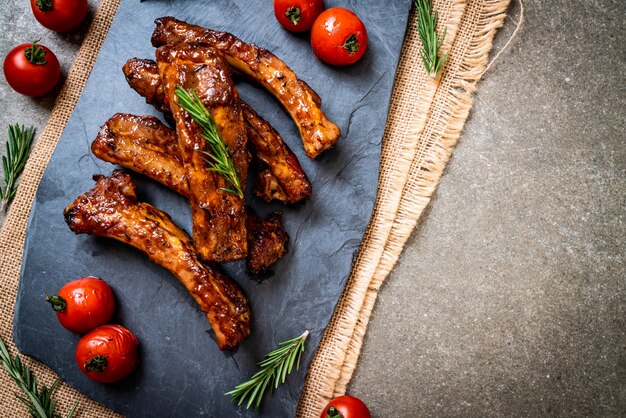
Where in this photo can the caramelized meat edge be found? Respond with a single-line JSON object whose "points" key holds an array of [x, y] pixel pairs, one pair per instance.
{"points": [[301, 102], [110, 209], [146, 146], [267, 241], [143, 144], [218, 216], [280, 175]]}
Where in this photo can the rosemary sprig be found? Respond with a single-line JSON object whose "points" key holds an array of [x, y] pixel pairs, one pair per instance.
{"points": [[18, 150], [38, 401], [220, 158], [274, 369], [431, 43]]}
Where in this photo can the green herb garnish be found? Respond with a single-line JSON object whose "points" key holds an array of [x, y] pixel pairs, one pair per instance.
{"points": [[220, 158], [274, 369], [431, 43], [18, 150], [38, 401]]}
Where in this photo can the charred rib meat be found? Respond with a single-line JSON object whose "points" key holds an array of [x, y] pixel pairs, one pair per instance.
{"points": [[267, 241], [218, 216], [111, 210], [139, 143], [272, 153], [301, 102], [280, 176]]}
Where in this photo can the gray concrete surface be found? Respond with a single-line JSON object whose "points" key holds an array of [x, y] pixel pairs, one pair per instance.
{"points": [[509, 299]]}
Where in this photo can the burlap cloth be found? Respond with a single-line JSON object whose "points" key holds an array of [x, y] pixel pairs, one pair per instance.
{"points": [[425, 120]]}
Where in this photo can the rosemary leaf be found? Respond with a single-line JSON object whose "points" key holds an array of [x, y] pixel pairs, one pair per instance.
{"points": [[273, 372], [38, 401], [220, 158], [18, 151], [431, 43]]}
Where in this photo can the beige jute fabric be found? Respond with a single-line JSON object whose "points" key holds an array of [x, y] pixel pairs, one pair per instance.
{"points": [[425, 120]]}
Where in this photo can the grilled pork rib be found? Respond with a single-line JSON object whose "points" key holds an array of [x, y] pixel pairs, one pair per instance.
{"points": [[280, 176], [276, 157], [142, 75], [111, 210], [218, 216], [267, 239], [145, 145], [301, 102]]}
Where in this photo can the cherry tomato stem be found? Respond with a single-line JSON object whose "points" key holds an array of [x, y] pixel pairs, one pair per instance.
{"points": [[297, 15], [96, 364], [36, 54], [294, 15], [332, 412], [44, 5], [58, 303]]}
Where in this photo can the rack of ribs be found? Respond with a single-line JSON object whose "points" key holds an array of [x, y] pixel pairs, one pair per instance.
{"points": [[299, 100], [218, 217], [111, 209], [280, 175], [143, 144]]}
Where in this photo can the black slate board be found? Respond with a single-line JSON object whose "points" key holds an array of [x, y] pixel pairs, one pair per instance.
{"points": [[182, 373]]}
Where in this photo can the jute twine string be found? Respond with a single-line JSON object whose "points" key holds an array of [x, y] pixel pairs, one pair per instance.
{"points": [[424, 122]]}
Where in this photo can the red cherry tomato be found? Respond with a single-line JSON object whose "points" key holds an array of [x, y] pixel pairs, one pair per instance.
{"points": [[108, 353], [31, 69], [83, 304], [60, 15], [297, 15], [346, 407], [338, 37]]}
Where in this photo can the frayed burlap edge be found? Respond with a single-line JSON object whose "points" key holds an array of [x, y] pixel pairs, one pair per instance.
{"points": [[425, 120], [430, 135]]}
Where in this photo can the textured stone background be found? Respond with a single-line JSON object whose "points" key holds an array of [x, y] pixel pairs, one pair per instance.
{"points": [[509, 299]]}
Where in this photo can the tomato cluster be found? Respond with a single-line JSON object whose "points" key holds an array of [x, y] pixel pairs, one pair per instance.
{"points": [[338, 36], [107, 353], [32, 69]]}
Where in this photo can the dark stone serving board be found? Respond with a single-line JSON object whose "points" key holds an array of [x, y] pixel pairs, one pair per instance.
{"points": [[182, 372]]}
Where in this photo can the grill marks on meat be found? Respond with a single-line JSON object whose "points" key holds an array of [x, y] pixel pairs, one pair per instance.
{"points": [[111, 210], [145, 145], [280, 175], [301, 102], [218, 216]]}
